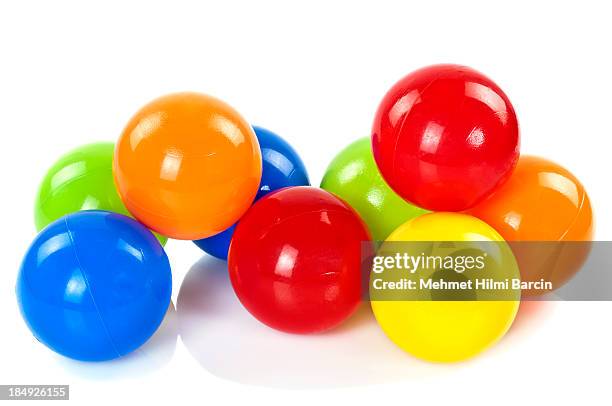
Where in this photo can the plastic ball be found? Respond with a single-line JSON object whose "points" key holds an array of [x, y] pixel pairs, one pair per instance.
{"points": [[94, 285], [282, 167], [187, 166], [295, 262], [354, 177], [544, 204], [217, 245], [447, 331], [82, 179], [444, 137], [542, 201]]}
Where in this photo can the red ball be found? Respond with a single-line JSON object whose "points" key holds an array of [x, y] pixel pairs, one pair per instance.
{"points": [[294, 260], [444, 137]]}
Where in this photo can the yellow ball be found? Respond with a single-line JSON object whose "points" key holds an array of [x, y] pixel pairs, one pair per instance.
{"points": [[448, 331]]}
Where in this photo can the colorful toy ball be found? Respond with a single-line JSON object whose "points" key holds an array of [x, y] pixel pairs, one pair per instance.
{"points": [[446, 331], [354, 177], [187, 166], [82, 179], [94, 285], [282, 167], [294, 260], [542, 201], [444, 137]]}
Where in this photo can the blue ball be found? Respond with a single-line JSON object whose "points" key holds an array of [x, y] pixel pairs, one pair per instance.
{"points": [[282, 167], [94, 285]]}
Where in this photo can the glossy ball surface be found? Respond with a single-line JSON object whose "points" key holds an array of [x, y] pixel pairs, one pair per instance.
{"points": [[94, 285], [445, 331], [444, 137], [82, 179], [542, 203], [294, 261], [282, 167], [354, 177], [187, 166]]}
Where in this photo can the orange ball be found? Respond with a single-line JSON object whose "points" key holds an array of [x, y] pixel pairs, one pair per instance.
{"points": [[541, 201], [187, 165], [546, 212]]}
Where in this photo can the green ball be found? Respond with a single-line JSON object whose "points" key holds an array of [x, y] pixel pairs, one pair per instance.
{"points": [[354, 177], [80, 180]]}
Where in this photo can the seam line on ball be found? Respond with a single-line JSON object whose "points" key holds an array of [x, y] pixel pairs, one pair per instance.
{"points": [[575, 219], [276, 223], [76, 256], [401, 127]]}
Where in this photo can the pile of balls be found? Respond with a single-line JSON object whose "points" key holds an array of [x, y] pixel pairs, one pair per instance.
{"points": [[442, 164]]}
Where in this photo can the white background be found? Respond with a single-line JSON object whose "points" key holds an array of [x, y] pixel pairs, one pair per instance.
{"points": [[74, 72]]}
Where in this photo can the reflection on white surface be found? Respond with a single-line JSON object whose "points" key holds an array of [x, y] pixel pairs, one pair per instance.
{"points": [[154, 354], [228, 342], [530, 315]]}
